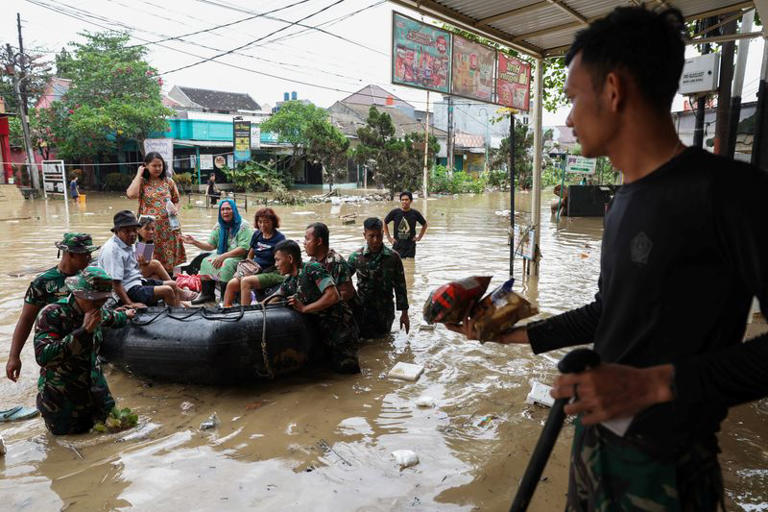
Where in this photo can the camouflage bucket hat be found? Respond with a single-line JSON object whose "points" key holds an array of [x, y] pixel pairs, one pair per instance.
{"points": [[77, 243], [93, 283]]}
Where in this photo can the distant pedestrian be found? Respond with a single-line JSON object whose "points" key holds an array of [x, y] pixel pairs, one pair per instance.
{"points": [[405, 219], [74, 193], [213, 191]]}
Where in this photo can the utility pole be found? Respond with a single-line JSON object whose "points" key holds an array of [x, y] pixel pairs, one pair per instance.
{"points": [[701, 102], [512, 192], [23, 66], [449, 149], [738, 84], [425, 183], [724, 113]]}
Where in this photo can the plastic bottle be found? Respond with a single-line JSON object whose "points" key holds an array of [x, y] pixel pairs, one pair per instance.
{"points": [[173, 219]]}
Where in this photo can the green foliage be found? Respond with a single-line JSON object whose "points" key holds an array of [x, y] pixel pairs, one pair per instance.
{"points": [[328, 147], [117, 181], [443, 181], [117, 420], [114, 97], [397, 164], [523, 156], [33, 86], [291, 124], [255, 177], [183, 180], [16, 135], [498, 179]]}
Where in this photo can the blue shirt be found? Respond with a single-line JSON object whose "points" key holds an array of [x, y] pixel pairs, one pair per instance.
{"points": [[264, 248]]}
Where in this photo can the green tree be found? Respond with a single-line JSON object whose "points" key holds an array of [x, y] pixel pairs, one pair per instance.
{"points": [[523, 156], [413, 159], [114, 97], [291, 124], [328, 147], [381, 151]]}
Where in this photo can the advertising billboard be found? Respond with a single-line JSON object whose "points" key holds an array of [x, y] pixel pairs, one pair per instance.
{"points": [[472, 72], [513, 83], [421, 55], [242, 140]]}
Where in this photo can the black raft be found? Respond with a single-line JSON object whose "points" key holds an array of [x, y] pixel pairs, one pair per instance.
{"points": [[213, 345]]}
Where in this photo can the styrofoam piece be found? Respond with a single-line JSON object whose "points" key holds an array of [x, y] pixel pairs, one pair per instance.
{"points": [[406, 371], [425, 402], [405, 458], [618, 426], [539, 394]]}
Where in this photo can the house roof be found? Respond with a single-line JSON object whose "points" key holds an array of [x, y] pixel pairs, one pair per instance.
{"points": [[468, 140], [348, 117], [547, 27], [375, 95], [220, 100]]}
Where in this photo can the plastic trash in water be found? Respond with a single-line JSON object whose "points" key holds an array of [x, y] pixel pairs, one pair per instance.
{"points": [[406, 371], [405, 458], [539, 394], [425, 402], [210, 423]]}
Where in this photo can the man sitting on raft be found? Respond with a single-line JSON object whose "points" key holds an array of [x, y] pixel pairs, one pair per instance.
{"points": [[118, 259], [257, 270], [310, 290]]}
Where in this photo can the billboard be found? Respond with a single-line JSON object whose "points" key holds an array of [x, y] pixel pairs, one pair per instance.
{"points": [[580, 165], [242, 140], [472, 70], [421, 55], [513, 83]]}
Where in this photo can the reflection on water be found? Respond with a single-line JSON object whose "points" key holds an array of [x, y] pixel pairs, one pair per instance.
{"points": [[328, 436]]}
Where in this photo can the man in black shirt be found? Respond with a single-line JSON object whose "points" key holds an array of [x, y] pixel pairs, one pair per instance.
{"points": [[685, 248], [405, 219]]}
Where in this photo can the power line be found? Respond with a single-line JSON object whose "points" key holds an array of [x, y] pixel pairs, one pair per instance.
{"points": [[307, 27], [242, 47], [217, 27]]}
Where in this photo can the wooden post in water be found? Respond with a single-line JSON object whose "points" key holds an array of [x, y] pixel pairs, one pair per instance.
{"points": [[512, 192]]}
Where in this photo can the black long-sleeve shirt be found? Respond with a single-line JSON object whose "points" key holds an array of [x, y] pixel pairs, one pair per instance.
{"points": [[684, 251]]}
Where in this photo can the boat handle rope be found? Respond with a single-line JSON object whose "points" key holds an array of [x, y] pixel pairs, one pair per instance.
{"points": [[264, 354]]}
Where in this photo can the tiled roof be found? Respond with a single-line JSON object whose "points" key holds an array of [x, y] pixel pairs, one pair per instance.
{"points": [[220, 100]]}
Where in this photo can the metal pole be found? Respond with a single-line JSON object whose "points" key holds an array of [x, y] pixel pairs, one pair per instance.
{"points": [[722, 126], [449, 144], [512, 192], [738, 83], [425, 183], [34, 178], [537, 150], [760, 145]]}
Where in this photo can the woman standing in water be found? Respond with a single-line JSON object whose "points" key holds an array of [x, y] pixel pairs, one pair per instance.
{"points": [[159, 197]]}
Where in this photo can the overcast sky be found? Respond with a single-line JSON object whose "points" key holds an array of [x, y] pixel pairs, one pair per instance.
{"points": [[353, 51]]}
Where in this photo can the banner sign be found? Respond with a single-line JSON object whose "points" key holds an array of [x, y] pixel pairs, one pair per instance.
{"points": [[242, 142], [580, 165], [206, 162], [421, 54], [54, 177], [162, 146], [255, 136], [513, 84], [472, 71]]}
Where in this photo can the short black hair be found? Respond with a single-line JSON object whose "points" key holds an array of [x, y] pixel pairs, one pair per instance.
{"points": [[148, 160], [291, 248], [646, 44], [320, 230], [405, 193], [373, 223]]}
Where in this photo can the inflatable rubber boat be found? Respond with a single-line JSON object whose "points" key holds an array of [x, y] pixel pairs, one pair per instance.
{"points": [[213, 345]]}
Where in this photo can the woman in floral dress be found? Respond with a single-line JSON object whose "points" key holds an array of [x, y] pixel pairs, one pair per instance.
{"points": [[153, 187]]}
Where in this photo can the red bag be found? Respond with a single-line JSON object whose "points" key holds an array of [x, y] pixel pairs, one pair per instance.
{"points": [[451, 302], [189, 282]]}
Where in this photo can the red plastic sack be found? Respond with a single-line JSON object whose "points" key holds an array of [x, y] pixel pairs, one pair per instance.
{"points": [[189, 282], [452, 302]]}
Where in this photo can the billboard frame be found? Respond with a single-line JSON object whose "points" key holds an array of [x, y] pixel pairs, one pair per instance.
{"points": [[394, 55]]}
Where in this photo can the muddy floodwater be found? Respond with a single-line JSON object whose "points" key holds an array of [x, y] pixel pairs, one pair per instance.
{"points": [[318, 441]]}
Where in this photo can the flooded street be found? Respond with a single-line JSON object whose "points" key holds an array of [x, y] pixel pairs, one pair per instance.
{"points": [[319, 441]]}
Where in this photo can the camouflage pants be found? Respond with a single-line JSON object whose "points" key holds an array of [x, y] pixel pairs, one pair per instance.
{"points": [[609, 474], [340, 333], [375, 320], [64, 416]]}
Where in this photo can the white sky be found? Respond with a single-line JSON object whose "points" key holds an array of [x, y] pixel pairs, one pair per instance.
{"points": [[320, 60]]}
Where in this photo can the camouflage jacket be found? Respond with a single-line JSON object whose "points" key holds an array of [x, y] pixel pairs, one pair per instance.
{"points": [[67, 353], [335, 264], [47, 288], [378, 275]]}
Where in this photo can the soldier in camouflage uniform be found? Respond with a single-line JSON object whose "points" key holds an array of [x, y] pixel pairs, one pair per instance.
{"points": [[72, 391], [48, 288], [379, 273], [310, 289], [316, 243]]}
